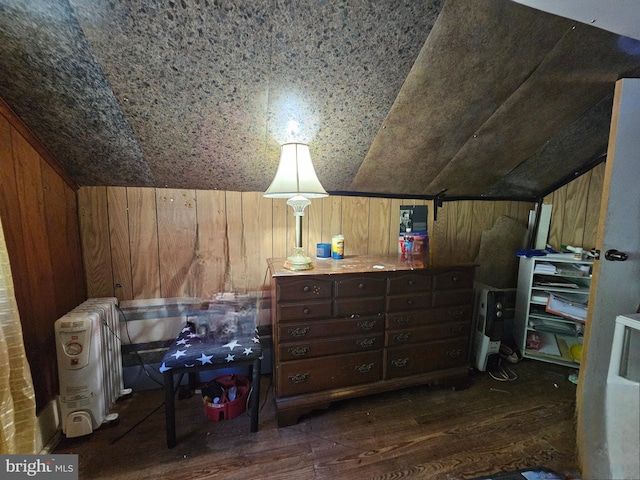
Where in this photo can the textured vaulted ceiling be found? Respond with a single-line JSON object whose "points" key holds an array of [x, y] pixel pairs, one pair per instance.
{"points": [[472, 98]]}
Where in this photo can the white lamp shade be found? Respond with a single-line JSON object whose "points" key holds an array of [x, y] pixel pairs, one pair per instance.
{"points": [[295, 175]]}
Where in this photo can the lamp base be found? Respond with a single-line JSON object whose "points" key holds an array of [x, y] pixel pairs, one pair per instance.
{"points": [[298, 261]]}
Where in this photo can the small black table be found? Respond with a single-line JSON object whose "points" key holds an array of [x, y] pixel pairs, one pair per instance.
{"points": [[192, 353]]}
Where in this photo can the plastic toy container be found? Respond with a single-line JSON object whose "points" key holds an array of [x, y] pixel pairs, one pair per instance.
{"points": [[227, 409]]}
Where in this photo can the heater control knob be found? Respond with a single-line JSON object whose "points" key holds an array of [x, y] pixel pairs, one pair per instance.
{"points": [[73, 348]]}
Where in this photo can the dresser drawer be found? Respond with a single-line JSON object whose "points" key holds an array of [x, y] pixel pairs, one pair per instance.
{"points": [[399, 303], [310, 375], [330, 328], [313, 288], [426, 334], [408, 283], [453, 279], [358, 307], [429, 316], [330, 346], [360, 286], [304, 311], [425, 357]]}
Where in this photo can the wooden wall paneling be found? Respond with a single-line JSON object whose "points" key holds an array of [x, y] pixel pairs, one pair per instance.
{"points": [[593, 206], [464, 250], [516, 211], [143, 243], [483, 217], [281, 213], [11, 221], [331, 217], [355, 223], [430, 228], [58, 236], [257, 220], [313, 219], [72, 231], [394, 225], [440, 243], [501, 208], [176, 241], [379, 235], [120, 244], [94, 232], [39, 328], [557, 218], [212, 268], [525, 208], [21, 129], [575, 211], [237, 243]]}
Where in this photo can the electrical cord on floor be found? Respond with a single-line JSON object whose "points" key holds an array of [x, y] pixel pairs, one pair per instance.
{"points": [[122, 435], [248, 410]]}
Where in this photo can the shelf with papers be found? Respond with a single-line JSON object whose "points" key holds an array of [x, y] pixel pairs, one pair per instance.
{"points": [[551, 307]]}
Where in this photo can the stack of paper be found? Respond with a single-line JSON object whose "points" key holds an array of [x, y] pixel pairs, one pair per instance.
{"points": [[569, 307], [545, 267]]}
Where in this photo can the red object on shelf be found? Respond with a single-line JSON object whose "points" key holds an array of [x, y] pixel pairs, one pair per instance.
{"points": [[226, 410]]}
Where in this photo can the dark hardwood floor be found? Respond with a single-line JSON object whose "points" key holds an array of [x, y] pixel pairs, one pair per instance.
{"points": [[420, 432]]}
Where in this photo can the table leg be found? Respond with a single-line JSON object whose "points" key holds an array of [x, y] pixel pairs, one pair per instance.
{"points": [[255, 400], [169, 409]]}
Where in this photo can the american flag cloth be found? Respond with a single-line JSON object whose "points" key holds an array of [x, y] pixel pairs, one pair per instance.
{"points": [[196, 349]]}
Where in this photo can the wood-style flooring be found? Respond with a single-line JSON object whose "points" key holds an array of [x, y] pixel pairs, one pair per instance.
{"points": [[420, 432]]}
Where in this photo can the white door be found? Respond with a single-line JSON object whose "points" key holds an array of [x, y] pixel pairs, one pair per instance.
{"points": [[616, 284]]}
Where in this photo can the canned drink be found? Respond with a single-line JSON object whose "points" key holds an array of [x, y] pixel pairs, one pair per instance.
{"points": [[337, 246], [324, 250]]}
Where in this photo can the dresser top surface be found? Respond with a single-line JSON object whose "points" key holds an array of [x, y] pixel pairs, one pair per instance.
{"points": [[352, 264]]}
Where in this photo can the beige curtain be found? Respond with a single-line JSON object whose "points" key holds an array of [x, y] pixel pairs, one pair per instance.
{"points": [[18, 422]]}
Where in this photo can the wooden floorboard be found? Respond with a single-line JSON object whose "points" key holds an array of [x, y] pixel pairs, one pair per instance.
{"points": [[419, 432]]}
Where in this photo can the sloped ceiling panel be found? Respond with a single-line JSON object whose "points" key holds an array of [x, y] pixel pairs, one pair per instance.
{"points": [[209, 88], [49, 76], [519, 81], [471, 98]]}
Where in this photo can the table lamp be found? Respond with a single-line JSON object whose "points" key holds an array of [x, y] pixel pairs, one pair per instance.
{"points": [[296, 180]]}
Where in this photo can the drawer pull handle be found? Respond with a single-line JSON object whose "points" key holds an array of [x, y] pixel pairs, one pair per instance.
{"points": [[354, 315], [361, 285], [456, 313], [410, 283], [401, 337], [364, 368], [366, 325], [454, 353], [299, 351], [457, 329], [410, 301], [299, 332], [402, 320], [306, 288], [366, 342], [400, 362], [298, 378], [306, 311], [455, 279]]}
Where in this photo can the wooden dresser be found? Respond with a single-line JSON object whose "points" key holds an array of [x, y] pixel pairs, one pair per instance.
{"points": [[364, 325]]}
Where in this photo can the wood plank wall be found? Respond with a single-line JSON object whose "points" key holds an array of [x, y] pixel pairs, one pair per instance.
{"points": [[161, 243], [38, 210], [144, 243], [575, 210]]}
